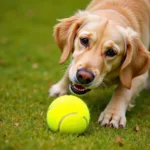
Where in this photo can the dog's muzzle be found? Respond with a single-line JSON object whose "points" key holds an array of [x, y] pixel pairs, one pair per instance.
{"points": [[83, 80]]}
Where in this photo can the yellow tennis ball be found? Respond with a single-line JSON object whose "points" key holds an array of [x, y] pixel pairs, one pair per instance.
{"points": [[68, 114]]}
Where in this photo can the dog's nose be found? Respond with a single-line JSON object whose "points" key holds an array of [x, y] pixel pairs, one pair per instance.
{"points": [[84, 76]]}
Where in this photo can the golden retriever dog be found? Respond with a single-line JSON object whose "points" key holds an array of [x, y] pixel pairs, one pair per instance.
{"points": [[108, 41]]}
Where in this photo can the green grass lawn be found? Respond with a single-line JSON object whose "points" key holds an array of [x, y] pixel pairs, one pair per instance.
{"points": [[29, 65]]}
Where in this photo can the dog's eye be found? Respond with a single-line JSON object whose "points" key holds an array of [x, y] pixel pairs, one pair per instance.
{"points": [[110, 53], [84, 41]]}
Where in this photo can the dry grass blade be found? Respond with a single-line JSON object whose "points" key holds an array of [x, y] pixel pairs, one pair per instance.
{"points": [[119, 141], [137, 128]]}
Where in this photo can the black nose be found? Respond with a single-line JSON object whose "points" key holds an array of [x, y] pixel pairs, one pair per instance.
{"points": [[84, 76]]}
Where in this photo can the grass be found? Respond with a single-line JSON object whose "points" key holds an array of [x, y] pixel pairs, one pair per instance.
{"points": [[28, 55]]}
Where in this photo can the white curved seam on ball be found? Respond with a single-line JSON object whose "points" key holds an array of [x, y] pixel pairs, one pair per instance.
{"points": [[64, 117], [85, 120]]}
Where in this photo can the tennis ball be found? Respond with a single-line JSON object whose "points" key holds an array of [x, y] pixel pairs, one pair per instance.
{"points": [[68, 114]]}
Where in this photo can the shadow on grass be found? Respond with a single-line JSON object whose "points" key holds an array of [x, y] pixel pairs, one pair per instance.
{"points": [[141, 106]]}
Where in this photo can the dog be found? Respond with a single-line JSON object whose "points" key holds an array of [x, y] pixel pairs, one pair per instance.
{"points": [[108, 42]]}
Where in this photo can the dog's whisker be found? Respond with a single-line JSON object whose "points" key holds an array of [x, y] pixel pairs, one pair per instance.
{"points": [[107, 80], [101, 87], [105, 86]]}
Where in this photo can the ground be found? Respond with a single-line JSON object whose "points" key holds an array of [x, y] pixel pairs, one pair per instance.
{"points": [[29, 65]]}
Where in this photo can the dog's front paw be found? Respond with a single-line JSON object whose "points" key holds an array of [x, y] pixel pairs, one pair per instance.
{"points": [[57, 90], [111, 118]]}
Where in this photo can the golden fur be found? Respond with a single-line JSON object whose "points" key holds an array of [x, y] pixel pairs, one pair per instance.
{"points": [[123, 25]]}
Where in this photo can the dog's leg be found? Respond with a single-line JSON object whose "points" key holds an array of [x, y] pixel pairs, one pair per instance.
{"points": [[60, 88], [114, 114], [147, 84]]}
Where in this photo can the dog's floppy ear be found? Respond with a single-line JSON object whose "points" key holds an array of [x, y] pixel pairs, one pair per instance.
{"points": [[137, 59], [64, 34]]}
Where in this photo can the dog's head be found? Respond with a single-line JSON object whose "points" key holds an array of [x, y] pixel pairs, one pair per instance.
{"points": [[100, 48]]}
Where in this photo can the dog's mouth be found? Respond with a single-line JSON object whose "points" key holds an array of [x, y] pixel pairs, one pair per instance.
{"points": [[78, 89]]}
